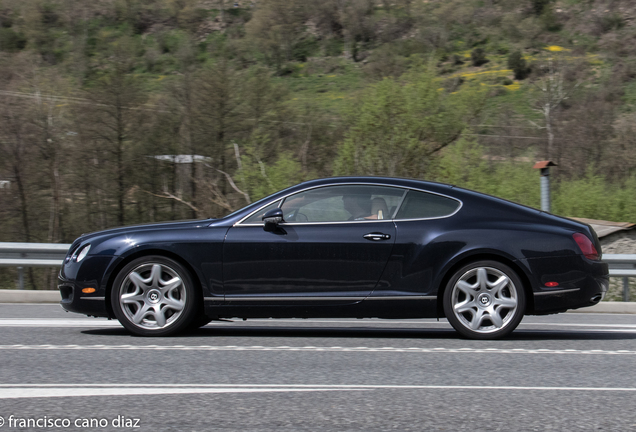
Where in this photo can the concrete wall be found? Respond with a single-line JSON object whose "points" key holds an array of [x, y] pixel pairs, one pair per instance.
{"points": [[622, 242]]}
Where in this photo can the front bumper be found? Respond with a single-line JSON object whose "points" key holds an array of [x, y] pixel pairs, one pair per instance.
{"points": [[90, 273], [73, 300]]}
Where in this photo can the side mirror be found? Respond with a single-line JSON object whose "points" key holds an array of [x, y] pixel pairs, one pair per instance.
{"points": [[272, 218]]}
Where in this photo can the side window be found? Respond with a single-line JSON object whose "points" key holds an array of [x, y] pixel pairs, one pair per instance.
{"points": [[421, 205], [342, 203], [257, 218]]}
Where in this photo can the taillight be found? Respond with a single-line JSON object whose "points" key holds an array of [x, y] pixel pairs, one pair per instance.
{"points": [[586, 246]]}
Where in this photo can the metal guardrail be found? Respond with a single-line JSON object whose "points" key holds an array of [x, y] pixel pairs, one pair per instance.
{"points": [[23, 255], [622, 265]]}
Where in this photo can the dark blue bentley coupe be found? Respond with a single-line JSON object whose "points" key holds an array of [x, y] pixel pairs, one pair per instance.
{"points": [[342, 247]]}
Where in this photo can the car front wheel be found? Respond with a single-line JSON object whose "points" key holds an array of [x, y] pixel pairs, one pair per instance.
{"points": [[484, 300], [154, 296]]}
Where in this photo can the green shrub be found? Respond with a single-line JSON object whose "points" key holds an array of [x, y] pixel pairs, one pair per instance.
{"points": [[458, 60], [518, 64], [478, 57], [539, 6], [333, 47], [607, 23], [11, 41], [551, 21], [304, 48]]}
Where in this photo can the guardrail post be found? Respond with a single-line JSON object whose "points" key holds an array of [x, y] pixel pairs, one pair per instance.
{"points": [[21, 278], [544, 166], [625, 289]]}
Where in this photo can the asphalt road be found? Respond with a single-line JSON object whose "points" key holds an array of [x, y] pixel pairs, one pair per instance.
{"points": [[563, 372]]}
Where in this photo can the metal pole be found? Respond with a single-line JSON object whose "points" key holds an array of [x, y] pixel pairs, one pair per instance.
{"points": [[545, 189], [21, 278], [625, 289]]}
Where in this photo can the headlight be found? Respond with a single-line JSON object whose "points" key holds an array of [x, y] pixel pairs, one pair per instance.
{"points": [[82, 253]]}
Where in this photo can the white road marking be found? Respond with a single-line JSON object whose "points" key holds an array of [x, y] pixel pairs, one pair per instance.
{"points": [[422, 324], [426, 322], [18, 391], [29, 392], [581, 325], [419, 350], [57, 322]]}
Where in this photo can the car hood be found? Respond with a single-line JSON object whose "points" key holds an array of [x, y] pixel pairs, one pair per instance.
{"points": [[148, 227]]}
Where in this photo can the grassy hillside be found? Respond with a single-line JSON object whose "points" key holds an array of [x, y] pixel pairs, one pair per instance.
{"points": [[97, 97]]}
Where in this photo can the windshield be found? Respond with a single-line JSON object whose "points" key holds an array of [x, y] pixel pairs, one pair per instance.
{"points": [[255, 204]]}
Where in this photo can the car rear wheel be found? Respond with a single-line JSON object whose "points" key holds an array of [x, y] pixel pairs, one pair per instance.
{"points": [[154, 296], [199, 321], [484, 300]]}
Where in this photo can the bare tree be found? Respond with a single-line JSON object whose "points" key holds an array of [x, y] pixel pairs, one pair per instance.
{"points": [[552, 92], [219, 114], [182, 104], [48, 117], [114, 115]]}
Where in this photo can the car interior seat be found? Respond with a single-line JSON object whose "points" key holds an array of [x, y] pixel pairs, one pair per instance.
{"points": [[379, 208]]}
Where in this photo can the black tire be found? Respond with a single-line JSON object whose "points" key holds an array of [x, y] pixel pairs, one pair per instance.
{"points": [[484, 300], [154, 296], [199, 322]]}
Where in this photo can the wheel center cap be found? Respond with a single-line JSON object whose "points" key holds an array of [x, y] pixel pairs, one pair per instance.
{"points": [[154, 296], [484, 299]]}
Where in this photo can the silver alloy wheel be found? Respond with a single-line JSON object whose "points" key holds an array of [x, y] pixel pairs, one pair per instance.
{"points": [[152, 296], [484, 300]]}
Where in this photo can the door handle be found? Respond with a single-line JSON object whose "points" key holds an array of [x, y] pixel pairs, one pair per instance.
{"points": [[376, 236]]}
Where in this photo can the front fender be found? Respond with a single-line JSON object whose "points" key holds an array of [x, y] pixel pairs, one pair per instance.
{"points": [[199, 249]]}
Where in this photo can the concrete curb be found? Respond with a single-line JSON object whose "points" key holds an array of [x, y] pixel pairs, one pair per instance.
{"points": [[24, 296], [28, 296]]}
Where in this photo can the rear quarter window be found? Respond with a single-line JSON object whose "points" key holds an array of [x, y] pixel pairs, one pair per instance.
{"points": [[421, 205]]}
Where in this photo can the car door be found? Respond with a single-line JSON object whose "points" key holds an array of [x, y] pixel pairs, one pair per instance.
{"points": [[332, 246], [420, 248]]}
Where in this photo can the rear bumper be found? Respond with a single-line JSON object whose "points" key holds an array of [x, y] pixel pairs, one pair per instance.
{"points": [[581, 283], [588, 293]]}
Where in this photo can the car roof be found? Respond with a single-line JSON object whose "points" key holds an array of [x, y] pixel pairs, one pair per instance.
{"points": [[394, 181]]}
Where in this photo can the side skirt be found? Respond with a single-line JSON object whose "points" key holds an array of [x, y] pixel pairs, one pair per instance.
{"points": [[391, 308]]}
